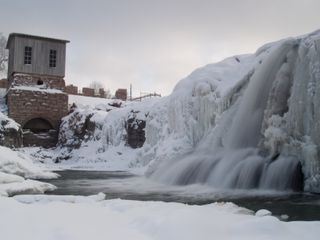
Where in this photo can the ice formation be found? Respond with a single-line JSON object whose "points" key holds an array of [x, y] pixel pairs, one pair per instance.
{"points": [[249, 122]]}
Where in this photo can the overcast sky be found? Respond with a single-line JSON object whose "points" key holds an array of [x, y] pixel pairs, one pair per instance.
{"points": [[155, 43]]}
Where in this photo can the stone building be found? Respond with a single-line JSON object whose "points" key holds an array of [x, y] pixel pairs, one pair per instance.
{"points": [[122, 94], [36, 97], [71, 89], [3, 83], [88, 92], [102, 93]]}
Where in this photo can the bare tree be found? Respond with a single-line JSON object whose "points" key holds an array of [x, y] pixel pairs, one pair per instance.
{"points": [[3, 54], [96, 86], [108, 94]]}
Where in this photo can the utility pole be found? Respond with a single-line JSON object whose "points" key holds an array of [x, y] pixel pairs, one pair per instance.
{"points": [[130, 92]]}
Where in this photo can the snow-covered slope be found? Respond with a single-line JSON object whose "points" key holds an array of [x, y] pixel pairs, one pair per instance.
{"points": [[89, 101]]}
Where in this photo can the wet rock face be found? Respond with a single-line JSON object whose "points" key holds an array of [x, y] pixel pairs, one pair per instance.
{"points": [[10, 136], [135, 132]]}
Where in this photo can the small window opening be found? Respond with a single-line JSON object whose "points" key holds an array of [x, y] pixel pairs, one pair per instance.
{"points": [[27, 55], [53, 58], [40, 82]]}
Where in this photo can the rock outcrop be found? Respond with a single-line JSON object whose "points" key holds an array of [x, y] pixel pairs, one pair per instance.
{"points": [[10, 133], [135, 131], [76, 128]]}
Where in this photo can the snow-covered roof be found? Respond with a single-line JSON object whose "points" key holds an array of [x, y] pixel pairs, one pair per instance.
{"points": [[23, 35], [34, 88]]}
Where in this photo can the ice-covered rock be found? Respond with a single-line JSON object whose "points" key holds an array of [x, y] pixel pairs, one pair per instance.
{"points": [[263, 213], [15, 169], [10, 132], [135, 130]]}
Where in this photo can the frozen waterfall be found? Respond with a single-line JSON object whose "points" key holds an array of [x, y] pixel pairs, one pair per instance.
{"points": [[267, 135]]}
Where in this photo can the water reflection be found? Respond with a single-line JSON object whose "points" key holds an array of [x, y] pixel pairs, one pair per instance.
{"points": [[124, 185]]}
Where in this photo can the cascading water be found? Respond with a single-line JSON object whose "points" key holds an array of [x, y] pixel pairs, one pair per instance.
{"points": [[264, 139]]}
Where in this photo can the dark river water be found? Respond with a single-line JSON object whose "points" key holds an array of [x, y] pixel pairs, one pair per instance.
{"points": [[285, 205]]}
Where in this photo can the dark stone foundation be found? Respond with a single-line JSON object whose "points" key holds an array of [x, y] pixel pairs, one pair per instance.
{"points": [[47, 139]]}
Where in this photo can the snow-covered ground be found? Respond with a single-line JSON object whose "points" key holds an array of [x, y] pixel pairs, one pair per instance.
{"points": [[92, 102], [17, 171], [87, 101], [80, 218]]}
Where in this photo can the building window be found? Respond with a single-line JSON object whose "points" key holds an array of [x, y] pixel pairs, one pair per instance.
{"points": [[27, 55], [53, 58]]}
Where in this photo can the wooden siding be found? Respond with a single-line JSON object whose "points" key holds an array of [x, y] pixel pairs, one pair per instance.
{"points": [[11, 57], [40, 56]]}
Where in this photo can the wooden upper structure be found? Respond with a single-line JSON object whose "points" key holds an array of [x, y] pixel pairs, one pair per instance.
{"points": [[30, 54]]}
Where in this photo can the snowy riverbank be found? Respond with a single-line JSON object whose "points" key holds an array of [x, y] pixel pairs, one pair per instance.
{"points": [[17, 171], [80, 218]]}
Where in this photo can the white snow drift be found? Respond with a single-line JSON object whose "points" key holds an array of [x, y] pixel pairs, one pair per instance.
{"points": [[15, 169], [121, 219]]}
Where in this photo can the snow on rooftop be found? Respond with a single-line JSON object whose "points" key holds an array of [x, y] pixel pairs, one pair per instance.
{"points": [[36, 88]]}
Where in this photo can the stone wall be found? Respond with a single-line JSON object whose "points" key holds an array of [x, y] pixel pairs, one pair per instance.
{"points": [[89, 92], [71, 89], [4, 83], [122, 94], [47, 140], [102, 93], [24, 105], [37, 80]]}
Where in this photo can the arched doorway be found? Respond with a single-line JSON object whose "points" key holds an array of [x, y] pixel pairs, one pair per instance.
{"points": [[38, 125], [39, 132]]}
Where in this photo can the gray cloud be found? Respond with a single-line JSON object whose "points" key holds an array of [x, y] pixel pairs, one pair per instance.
{"points": [[151, 43]]}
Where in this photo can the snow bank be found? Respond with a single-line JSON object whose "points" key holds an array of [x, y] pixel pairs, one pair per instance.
{"points": [[93, 102], [10, 131], [59, 198], [7, 122], [13, 162], [122, 219], [15, 167], [25, 187]]}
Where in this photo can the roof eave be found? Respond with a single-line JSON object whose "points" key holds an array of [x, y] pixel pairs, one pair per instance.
{"points": [[11, 35]]}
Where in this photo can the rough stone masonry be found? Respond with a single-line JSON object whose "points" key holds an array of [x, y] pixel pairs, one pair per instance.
{"points": [[26, 104]]}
